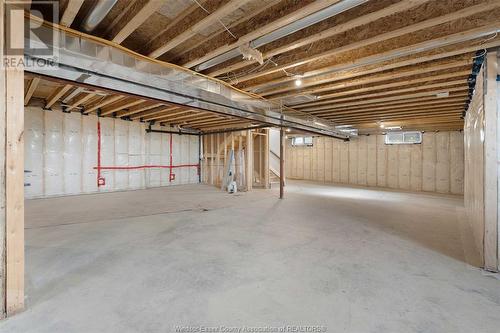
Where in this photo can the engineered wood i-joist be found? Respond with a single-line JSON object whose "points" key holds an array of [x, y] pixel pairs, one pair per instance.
{"points": [[458, 37], [136, 20], [198, 27], [315, 77], [337, 29], [283, 21], [70, 12]]}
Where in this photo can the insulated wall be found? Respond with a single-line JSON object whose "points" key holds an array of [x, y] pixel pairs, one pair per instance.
{"points": [[474, 163], [62, 149], [436, 165]]}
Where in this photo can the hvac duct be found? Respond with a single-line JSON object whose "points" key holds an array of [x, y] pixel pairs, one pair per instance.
{"points": [[87, 61], [97, 14], [285, 31]]}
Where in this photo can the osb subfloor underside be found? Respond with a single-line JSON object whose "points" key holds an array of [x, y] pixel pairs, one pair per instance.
{"points": [[349, 259]]}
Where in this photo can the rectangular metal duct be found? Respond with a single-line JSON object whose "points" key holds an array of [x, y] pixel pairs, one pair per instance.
{"points": [[88, 61]]}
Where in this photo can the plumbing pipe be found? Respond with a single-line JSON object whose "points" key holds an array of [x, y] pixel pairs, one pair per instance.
{"points": [[171, 132], [136, 167]]}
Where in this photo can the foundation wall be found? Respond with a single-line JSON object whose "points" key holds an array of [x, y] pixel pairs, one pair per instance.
{"points": [[61, 154], [474, 164], [436, 165]]}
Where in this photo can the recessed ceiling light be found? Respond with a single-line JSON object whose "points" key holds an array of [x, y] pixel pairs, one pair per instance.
{"points": [[298, 82]]}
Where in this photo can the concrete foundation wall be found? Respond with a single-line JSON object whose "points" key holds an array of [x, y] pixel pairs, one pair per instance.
{"points": [[436, 165], [61, 152]]}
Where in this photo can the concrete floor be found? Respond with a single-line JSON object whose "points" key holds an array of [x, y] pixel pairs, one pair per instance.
{"points": [[347, 259]]}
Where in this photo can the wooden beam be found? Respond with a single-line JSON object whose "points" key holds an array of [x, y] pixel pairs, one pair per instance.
{"points": [[214, 36], [323, 99], [120, 106], [425, 100], [220, 120], [197, 116], [441, 85], [135, 21], [80, 101], [333, 70], [72, 9], [393, 111], [57, 94], [370, 79], [140, 108], [165, 115], [172, 119], [198, 27], [31, 89], [461, 36], [11, 161], [155, 112], [428, 121], [234, 125], [455, 111], [418, 105], [377, 81], [392, 98], [102, 103], [73, 94], [335, 30], [276, 24]]}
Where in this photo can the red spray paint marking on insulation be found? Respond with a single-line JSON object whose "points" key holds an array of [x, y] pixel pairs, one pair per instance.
{"points": [[171, 175], [101, 181]]}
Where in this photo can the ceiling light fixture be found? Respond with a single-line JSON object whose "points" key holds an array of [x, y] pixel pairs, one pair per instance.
{"points": [[298, 82], [443, 94]]}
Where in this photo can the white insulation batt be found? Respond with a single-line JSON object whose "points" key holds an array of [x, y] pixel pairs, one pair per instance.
{"points": [[61, 155], [436, 165]]}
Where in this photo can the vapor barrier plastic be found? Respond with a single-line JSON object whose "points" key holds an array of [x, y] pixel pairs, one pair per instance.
{"points": [[61, 152]]}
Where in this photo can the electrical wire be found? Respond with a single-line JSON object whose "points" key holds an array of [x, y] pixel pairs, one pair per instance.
{"points": [[484, 41], [218, 19]]}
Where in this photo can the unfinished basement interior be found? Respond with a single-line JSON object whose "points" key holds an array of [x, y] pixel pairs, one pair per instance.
{"points": [[250, 166]]}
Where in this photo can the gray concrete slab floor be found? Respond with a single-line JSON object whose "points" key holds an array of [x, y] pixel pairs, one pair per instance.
{"points": [[344, 258]]}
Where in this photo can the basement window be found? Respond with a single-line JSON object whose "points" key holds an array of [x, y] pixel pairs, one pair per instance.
{"points": [[403, 138], [302, 141]]}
